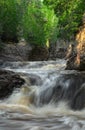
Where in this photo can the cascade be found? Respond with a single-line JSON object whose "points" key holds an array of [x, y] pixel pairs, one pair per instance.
{"points": [[50, 93]]}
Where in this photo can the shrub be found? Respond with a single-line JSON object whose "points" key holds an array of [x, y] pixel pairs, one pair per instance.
{"points": [[39, 23]]}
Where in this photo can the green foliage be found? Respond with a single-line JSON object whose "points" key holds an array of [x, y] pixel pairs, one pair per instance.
{"points": [[9, 18], [30, 19], [39, 23], [70, 14]]}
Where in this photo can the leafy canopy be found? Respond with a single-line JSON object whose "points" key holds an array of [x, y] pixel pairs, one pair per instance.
{"points": [[39, 23], [70, 14], [30, 19]]}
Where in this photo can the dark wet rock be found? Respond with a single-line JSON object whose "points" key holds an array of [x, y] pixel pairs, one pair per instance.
{"points": [[23, 51], [70, 65], [15, 52], [38, 54], [60, 53], [76, 61], [8, 82], [57, 53], [71, 57]]}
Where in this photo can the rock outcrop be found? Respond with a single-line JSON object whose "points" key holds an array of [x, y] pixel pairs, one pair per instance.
{"points": [[39, 53], [15, 51], [23, 51], [78, 61], [8, 82]]}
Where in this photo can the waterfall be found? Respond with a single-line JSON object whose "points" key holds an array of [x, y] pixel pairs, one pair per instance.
{"points": [[51, 98], [49, 84]]}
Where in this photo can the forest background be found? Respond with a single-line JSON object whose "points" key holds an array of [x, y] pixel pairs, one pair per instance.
{"points": [[40, 21]]}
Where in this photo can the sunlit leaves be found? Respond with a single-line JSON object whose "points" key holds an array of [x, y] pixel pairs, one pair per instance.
{"points": [[39, 23], [69, 13]]}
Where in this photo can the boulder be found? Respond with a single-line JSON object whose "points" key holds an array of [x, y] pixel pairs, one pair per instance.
{"points": [[8, 82], [39, 53]]}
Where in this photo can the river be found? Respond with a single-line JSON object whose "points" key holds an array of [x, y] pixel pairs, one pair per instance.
{"points": [[41, 104]]}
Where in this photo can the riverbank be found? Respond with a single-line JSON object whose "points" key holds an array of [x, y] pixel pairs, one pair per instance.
{"points": [[23, 51]]}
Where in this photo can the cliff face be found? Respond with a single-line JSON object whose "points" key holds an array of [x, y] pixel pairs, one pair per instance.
{"points": [[78, 62], [81, 41], [80, 38]]}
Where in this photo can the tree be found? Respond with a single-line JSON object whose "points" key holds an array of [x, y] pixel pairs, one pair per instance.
{"points": [[39, 23], [70, 14]]}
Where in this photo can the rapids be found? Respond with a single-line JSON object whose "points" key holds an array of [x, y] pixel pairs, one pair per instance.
{"points": [[50, 99]]}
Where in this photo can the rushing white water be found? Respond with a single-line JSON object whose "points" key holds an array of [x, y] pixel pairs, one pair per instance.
{"points": [[18, 112]]}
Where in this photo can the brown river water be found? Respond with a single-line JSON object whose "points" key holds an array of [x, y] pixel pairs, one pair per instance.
{"points": [[17, 112]]}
